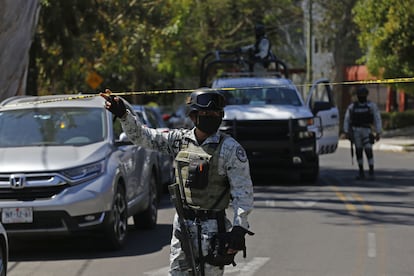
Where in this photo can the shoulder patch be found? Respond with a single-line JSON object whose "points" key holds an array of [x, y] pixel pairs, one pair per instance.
{"points": [[241, 154]]}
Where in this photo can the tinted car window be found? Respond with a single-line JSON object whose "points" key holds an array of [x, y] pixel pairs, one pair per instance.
{"points": [[152, 119], [251, 96], [51, 126]]}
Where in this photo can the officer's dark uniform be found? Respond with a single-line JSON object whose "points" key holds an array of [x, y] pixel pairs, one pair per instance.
{"points": [[360, 117]]}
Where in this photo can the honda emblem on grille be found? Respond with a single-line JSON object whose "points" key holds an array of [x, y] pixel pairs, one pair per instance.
{"points": [[17, 181]]}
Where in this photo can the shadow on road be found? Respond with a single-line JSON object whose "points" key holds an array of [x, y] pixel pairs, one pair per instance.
{"points": [[82, 247], [344, 200]]}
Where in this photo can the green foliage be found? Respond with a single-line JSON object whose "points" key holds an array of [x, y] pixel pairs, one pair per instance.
{"points": [[395, 120], [387, 35], [149, 44], [77, 37], [337, 27], [199, 27]]}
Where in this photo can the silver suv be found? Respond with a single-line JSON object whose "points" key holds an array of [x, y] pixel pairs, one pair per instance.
{"points": [[64, 170]]}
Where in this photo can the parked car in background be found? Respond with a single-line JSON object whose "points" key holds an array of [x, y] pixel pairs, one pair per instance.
{"points": [[151, 117], [179, 118], [4, 251], [63, 169]]}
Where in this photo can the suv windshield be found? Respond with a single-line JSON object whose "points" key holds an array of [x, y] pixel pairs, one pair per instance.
{"points": [[51, 126], [263, 95]]}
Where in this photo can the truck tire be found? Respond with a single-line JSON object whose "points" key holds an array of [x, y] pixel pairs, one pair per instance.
{"points": [[313, 175]]}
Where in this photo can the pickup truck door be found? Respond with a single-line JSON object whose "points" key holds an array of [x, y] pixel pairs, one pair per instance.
{"points": [[321, 102]]}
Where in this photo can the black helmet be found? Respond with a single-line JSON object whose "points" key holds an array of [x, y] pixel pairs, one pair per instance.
{"points": [[260, 29], [361, 91], [205, 100]]}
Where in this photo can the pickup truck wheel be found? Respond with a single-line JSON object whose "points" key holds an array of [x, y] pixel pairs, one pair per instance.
{"points": [[116, 230], [311, 177], [148, 218]]}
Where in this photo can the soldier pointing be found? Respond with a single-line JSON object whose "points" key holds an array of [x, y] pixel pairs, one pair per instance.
{"points": [[212, 170]]}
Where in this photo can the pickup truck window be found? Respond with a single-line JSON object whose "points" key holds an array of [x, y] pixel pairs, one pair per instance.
{"points": [[263, 95]]}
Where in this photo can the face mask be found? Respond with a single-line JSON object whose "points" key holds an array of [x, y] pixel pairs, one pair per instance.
{"points": [[362, 99], [208, 124]]}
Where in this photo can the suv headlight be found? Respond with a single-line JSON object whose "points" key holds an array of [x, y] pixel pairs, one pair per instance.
{"points": [[86, 172]]}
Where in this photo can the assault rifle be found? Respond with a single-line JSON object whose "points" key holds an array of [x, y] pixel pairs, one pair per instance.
{"points": [[184, 234], [351, 140]]}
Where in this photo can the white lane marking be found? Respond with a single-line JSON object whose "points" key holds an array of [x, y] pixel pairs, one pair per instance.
{"points": [[304, 203], [158, 272], [249, 268], [242, 269], [372, 245], [300, 203]]}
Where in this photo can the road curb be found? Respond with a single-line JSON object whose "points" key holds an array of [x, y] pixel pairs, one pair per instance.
{"points": [[383, 146], [390, 147]]}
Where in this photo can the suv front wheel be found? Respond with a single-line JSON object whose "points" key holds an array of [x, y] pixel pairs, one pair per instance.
{"points": [[116, 229], [148, 218]]}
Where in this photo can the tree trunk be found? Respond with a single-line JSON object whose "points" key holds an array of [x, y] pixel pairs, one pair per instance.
{"points": [[18, 20]]}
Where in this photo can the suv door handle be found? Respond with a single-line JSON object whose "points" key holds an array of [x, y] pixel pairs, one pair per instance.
{"points": [[334, 116]]}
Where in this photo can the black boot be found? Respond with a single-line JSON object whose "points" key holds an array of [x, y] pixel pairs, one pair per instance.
{"points": [[371, 172], [361, 174]]}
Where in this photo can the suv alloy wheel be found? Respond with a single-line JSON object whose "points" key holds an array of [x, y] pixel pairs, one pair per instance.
{"points": [[116, 230]]}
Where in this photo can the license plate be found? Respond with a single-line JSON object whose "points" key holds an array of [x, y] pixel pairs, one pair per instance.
{"points": [[17, 215]]}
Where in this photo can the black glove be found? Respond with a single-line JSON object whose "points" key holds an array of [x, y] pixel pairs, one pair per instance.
{"points": [[221, 260], [236, 239], [377, 137], [117, 106], [345, 135]]}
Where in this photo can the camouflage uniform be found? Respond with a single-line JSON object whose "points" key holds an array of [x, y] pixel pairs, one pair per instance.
{"points": [[232, 163], [359, 126]]}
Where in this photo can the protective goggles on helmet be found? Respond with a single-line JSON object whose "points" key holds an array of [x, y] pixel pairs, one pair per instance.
{"points": [[209, 100]]}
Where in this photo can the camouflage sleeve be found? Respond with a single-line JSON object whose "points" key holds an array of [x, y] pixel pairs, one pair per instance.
{"points": [[148, 137], [246, 48], [347, 119], [236, 166]]}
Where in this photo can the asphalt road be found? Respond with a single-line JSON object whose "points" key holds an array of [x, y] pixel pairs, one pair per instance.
{"points": [[338, 227]]}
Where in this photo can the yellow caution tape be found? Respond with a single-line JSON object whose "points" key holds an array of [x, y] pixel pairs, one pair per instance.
{"points": [[384, 81], [175, 91]]}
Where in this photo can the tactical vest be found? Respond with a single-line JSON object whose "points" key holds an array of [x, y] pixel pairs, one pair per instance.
{"points": [[361, 115], [196, 170]]}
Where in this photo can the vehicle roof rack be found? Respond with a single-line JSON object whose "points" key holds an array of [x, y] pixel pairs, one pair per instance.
{"points": [[237, 60]]}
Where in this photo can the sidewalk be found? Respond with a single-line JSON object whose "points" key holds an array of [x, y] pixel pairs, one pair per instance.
{"points": [[400, 140]]}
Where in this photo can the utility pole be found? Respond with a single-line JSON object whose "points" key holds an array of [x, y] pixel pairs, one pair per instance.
{"points": [[309, 49]]}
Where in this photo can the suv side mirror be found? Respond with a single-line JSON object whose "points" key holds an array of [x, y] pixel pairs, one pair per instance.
{"points": [[319, 106]]}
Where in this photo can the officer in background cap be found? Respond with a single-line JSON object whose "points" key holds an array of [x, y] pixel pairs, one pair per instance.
{"points": [[260, 52], [212, 169]]}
